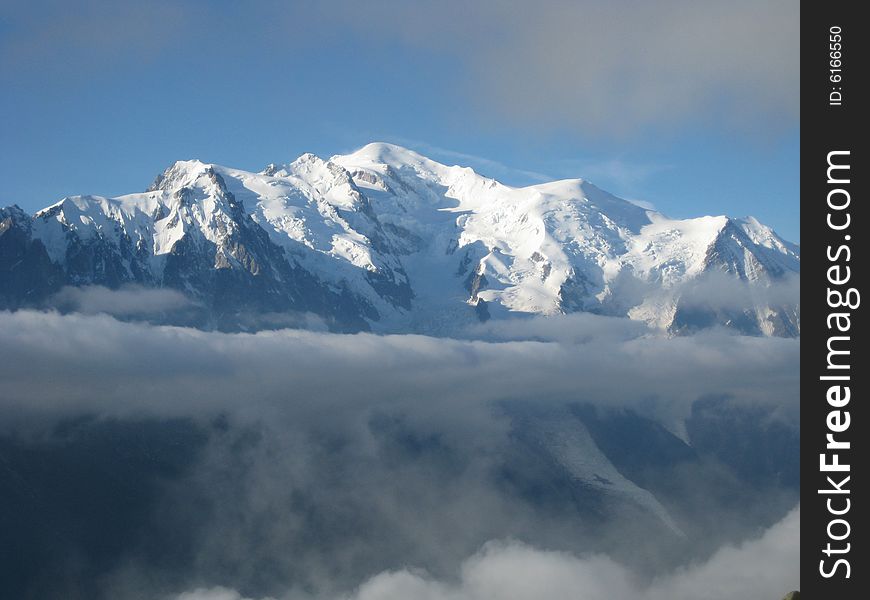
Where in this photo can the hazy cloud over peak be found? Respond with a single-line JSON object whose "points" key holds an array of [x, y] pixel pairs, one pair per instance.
{"points": [[609, 68], [600, 68]]}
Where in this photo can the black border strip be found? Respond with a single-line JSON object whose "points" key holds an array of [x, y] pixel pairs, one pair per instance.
{"points": [[832, 121]]}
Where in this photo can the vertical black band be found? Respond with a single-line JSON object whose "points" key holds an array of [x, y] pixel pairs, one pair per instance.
{"points": [[834, 223]]}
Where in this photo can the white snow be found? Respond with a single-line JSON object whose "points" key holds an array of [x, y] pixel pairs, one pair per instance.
{"points": [[542, 249]]}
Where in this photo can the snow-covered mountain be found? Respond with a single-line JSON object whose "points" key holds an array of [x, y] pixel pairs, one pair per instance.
{"points": [[389, 240]]}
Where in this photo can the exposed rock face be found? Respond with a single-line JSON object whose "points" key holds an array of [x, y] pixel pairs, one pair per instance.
{"points": [[386, 239], [27, 274]]}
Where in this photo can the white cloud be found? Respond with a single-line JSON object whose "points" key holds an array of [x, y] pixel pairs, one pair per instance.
{"points": [[642, 203], [128, 301], [767, 567], [764, 568], [215, 593], [50, 362], [331, 458]]}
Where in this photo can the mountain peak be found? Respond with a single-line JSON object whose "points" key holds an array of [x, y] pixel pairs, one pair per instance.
{"points": [[386, 153], [388, 239], [381, 156], [13, 215], [179, 174]]}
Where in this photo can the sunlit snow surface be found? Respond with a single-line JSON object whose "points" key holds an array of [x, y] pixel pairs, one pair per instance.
{"points": [[454, 237]]}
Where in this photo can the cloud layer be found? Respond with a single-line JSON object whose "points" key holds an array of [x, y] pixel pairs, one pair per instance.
{"points": [[758, 568], [304, 464], [58, 362]]}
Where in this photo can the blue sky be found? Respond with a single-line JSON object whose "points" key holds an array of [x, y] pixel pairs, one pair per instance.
{"points": [[690, 106]]}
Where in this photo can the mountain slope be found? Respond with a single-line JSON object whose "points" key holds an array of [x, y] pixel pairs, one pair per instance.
{"points": [[386, 239]]}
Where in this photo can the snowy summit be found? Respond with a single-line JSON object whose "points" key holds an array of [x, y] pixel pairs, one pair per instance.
{"points": [[388, 240]]}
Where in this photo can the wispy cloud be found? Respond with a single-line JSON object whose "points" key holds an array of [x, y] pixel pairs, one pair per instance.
{"points": [[618, 171], [128, 301], [601, 68], [624, 177], [608, 68], [485, 166]]}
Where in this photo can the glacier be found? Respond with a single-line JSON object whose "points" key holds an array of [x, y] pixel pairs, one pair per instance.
{"points": [[384, 239]]}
